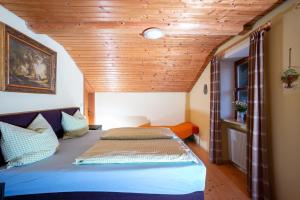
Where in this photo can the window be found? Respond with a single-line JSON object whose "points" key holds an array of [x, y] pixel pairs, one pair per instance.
{"points": [[241, 80]]}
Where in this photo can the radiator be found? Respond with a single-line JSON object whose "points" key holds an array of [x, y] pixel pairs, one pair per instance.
{"points": [[238, 148]]}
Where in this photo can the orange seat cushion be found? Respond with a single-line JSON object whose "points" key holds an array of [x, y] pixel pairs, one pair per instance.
{"points": [[183, 130]]}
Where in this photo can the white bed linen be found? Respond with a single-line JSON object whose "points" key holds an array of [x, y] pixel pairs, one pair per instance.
{"points": [[58, 174]]}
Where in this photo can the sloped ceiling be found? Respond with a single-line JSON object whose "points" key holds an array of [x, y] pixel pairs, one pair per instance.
{"points": [[104, 37]]}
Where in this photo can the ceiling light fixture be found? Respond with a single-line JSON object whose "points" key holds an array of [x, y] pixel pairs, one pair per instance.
{"points": [[153, 33]]}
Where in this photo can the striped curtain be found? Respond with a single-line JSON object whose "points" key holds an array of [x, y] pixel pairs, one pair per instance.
{"points": [[257, 147], [215, 146]]}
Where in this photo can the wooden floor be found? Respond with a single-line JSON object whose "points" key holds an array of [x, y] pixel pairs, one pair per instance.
{"points": [[223, 182]]}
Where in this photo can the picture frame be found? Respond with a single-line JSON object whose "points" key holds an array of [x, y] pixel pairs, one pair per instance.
{"points": [[25, 64]]}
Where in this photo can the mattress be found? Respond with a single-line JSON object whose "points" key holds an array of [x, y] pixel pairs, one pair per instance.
{"points": [[137, 133], [59, 174]]}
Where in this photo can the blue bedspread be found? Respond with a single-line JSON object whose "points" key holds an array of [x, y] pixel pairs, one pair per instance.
{"points": [[58, 174]]}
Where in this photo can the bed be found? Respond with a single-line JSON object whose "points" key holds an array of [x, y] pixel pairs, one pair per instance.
{"points": [[58, 178]]}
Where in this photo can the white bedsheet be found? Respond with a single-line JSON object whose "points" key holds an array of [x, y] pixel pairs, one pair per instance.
{"points": [[58, 174]]}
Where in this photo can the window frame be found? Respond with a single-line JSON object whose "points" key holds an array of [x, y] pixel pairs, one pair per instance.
{"points": [[236, 88]]}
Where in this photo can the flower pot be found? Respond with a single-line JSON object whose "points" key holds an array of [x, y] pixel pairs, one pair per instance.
{"points": [[289, 77], [241, 117], [290, 80]]}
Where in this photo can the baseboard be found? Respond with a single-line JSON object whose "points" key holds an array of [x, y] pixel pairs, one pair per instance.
{"points": [[202, 143]]}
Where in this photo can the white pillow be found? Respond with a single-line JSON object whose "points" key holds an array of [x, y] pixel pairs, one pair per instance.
{"points": [[22, 146], [74, 126]]}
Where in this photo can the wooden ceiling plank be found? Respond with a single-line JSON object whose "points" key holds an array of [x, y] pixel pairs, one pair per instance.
{"points": [[169, 28], [104, 37]]}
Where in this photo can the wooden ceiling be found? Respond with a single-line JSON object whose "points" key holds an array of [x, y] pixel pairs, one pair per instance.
{"points": [[103, 37]]}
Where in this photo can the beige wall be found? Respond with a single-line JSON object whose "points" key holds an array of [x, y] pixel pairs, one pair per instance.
{"points": [[284, 105], [200, 107]]}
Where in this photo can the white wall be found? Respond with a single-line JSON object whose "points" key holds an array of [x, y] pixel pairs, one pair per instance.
{"points": [[69, 83], [227, 89], [133, 109]]}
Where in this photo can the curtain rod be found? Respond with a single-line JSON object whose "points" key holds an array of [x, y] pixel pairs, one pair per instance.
{"points": [[266, 26]]}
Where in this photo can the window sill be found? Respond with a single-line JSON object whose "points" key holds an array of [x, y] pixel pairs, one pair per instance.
{"points": [[232, 123]]}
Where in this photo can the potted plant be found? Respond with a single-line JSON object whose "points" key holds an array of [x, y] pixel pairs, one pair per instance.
{"points": [[289, 76], [241, 108]]}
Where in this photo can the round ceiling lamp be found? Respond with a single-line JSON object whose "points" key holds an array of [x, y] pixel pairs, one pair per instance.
{"points": [[153, 33]]}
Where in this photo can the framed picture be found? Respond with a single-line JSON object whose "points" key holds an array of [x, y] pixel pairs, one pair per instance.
{"points": [[25, 64]]}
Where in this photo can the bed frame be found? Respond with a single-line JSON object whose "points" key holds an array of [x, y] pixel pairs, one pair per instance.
{"points": [[54, 119]]}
